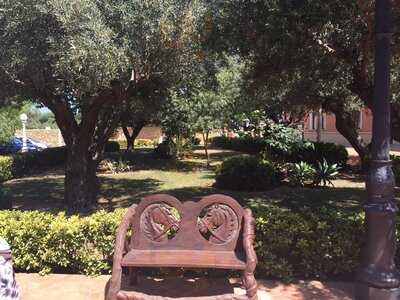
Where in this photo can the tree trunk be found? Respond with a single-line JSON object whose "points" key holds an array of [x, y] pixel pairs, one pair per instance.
{"points": [[81, 182], [131, 137], [130, 142], [363, 87], [205, 140], [85, 141], [347, 127]]}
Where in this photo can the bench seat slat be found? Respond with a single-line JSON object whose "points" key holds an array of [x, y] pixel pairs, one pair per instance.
{"points": [[131, 295], [184, 258]]}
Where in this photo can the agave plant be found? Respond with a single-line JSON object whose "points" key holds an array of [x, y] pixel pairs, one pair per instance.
{"points": [[116, 167], [301, 174], [325, 173]]}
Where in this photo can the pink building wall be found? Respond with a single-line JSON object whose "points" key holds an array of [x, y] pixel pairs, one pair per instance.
{"points": [[329, 132]]}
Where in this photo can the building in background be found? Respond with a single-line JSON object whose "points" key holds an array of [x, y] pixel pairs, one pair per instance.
{"points": [[328, 132], [50, 137], [153, 133]]}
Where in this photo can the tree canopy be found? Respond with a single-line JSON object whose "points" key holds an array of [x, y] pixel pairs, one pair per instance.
{"points": [[86, 59], [308, 54], [9, 122]]}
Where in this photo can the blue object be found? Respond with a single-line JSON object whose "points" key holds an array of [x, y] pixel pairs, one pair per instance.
{"points": [[15, 145]]}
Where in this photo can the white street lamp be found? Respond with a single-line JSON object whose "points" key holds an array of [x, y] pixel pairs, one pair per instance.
{"points": [[24, 119]]}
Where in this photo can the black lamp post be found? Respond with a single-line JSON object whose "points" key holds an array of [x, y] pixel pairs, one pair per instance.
{"points": [[378, 277]]}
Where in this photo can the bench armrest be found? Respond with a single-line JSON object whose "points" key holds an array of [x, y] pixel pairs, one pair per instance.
{"points": [[119, 251]]}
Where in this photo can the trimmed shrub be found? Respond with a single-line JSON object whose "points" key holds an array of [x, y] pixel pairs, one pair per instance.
{"points": [[312, 152], [6, 163], [246, 144], [249, 144], [289, 244], [333, 154], [222, 142], [293, 245], [141, 143], [19, 164], [122, 144], [112, 146], [45, 243], [247, 173], [146, 143], [25, 163], [50, 157], [166, 150]]}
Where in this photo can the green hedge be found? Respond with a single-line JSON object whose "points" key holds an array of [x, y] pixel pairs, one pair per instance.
{"points": [[112, 146], [246, 144], [5, 168], [289, 244], [140, 143], [45, 242], [306, 244], [247, 173], [313, 153], [333, 154], [17, 165]]}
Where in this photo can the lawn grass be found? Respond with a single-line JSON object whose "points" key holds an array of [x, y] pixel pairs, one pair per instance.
{"points": [[187, 179]]}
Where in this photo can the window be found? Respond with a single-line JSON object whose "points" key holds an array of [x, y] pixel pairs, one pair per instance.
{"points": [[313, 121], [358, 118]]}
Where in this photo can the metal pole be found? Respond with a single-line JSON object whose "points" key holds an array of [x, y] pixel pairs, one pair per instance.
{"points": [[24, 146], [378, 278]]}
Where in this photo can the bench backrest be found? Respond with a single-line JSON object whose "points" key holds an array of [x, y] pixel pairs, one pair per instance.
{"points": [[162, 222]]}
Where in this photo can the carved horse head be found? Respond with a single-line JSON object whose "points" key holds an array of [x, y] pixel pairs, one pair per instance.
{"points": [[220, 222], [159, 221]]}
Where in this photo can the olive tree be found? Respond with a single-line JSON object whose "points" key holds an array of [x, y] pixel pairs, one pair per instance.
{"points": [[85, 60], [309, 53]]}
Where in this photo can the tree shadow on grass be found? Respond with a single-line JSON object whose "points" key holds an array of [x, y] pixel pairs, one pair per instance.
{"points": [[36, 193], [143, 159], [295, 199], [298, 199], [123, 192], [47, 193]]}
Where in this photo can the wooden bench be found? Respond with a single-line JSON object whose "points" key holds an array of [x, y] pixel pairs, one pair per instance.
{"points": [[215, 232]]}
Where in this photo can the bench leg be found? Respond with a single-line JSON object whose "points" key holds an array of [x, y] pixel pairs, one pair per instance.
{"points": [[249, 281], [250, 284], [132, 276]]}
